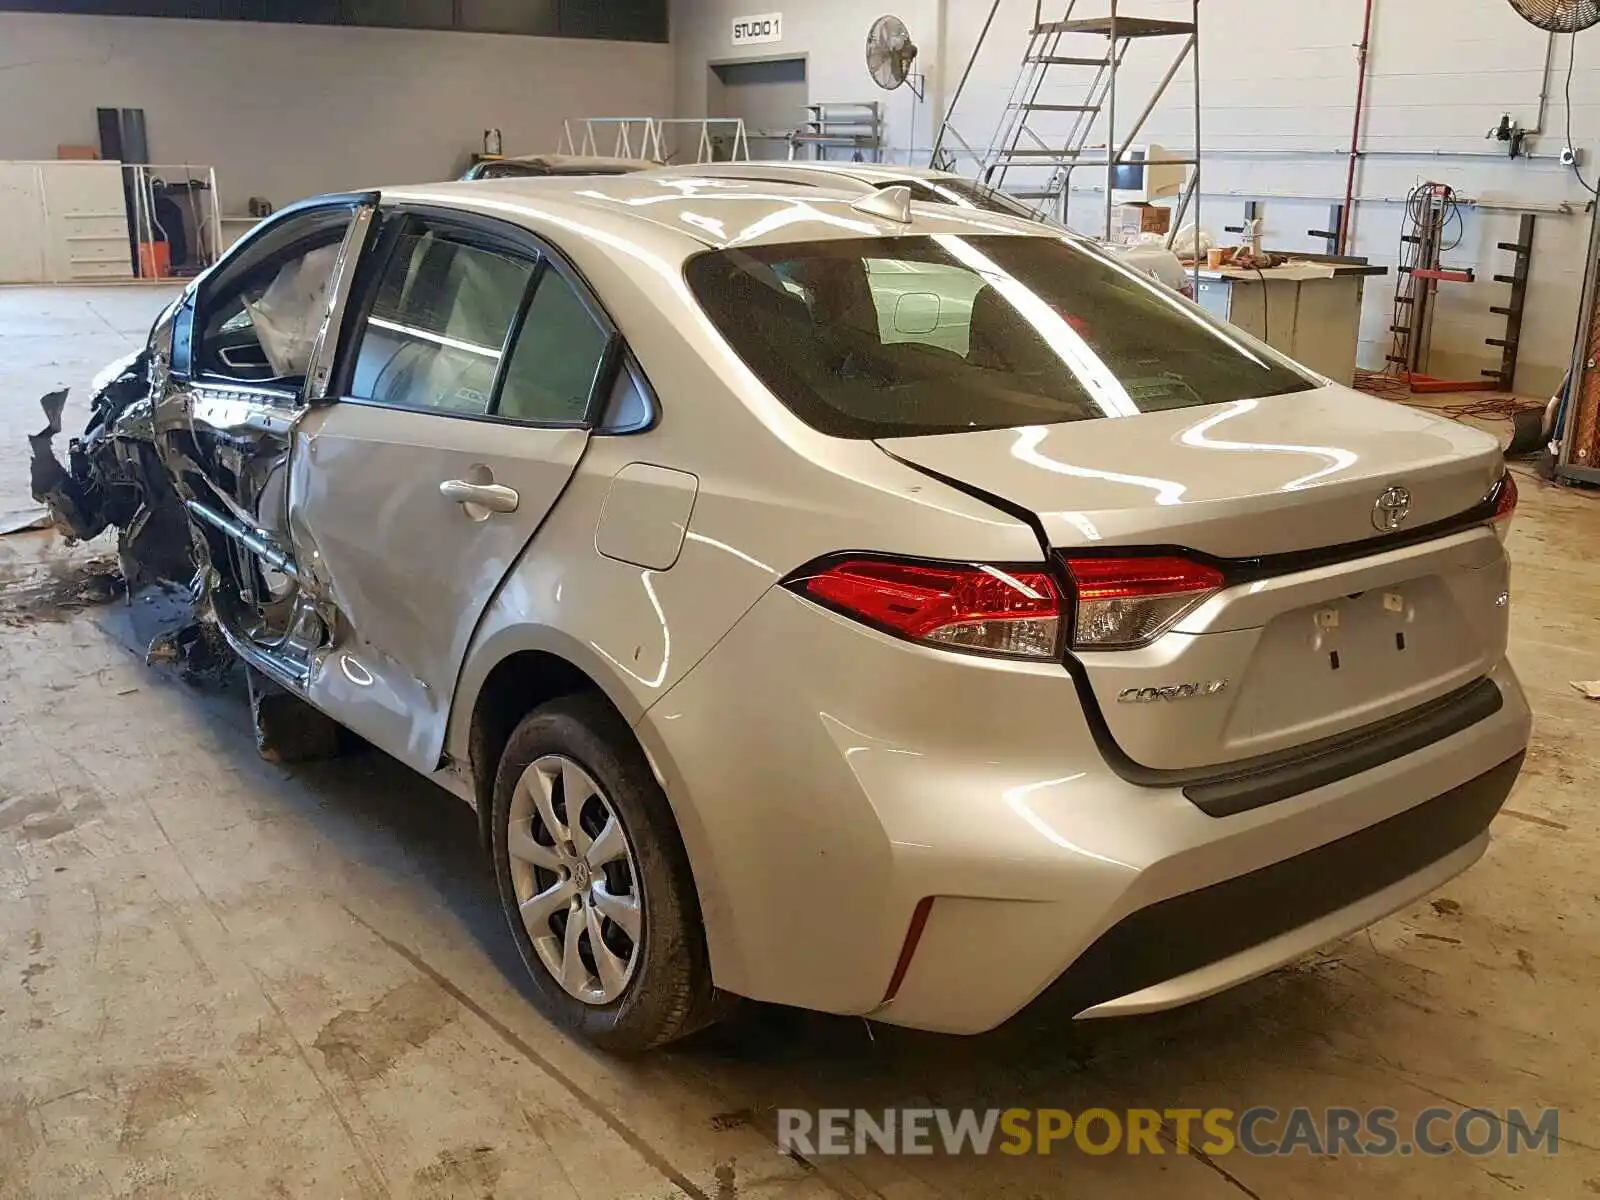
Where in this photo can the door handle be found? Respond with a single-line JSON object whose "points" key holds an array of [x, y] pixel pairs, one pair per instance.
{"points": [[487, 497]]}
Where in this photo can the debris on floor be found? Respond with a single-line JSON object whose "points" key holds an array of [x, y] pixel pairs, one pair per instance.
{"points": [[198, 645], [52, 589], [1589, 687]]}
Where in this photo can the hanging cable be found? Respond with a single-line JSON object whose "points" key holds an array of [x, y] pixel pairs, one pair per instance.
{"points": [[1572, 57], [1452, 210], [1489, 408]]}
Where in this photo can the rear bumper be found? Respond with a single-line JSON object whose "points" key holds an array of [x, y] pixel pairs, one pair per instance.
{"points": [[828, 779], [1201, 942], [1277, 777], [1162, 944]]}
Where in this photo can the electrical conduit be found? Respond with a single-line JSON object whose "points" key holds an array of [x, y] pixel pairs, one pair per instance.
{"points": [[1355, 129]]}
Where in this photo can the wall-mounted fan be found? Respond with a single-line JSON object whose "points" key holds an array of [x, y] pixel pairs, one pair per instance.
{"points": [[890, 54], [1559, 16]]}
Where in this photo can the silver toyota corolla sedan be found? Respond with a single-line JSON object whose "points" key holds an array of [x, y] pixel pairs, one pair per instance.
{"points": [[883, 608]]}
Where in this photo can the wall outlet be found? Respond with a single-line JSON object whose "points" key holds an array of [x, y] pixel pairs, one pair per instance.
{"points": [[1571, 156]]}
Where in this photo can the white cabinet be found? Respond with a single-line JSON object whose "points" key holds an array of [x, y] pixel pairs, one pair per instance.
{"points": [[1312, 313], [86, 221], [22, 236], [62, 221]]}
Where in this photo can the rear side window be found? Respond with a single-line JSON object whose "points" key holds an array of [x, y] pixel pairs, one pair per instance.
{"points": [[439, 325], [887, 337], [558, 354]]}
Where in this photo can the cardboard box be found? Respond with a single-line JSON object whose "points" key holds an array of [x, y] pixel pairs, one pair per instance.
{"points": [[66, 151], [1134, 219]]}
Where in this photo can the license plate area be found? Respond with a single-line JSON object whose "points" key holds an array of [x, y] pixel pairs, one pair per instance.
{"points": [[1356, 658], [1367, 631]]}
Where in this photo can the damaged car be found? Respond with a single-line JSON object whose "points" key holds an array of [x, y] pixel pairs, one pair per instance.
{"points": [[885, 608]]}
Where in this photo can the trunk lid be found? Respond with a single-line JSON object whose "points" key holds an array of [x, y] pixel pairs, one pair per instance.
{"points": [[1236, 480], [1316, 648]]}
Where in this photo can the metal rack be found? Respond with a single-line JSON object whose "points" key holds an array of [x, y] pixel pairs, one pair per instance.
{"points": [[631, 137], [855, 127], [1510, 345], [1033, 135], [200, 209], [641, 137], [1430, 208], [1421, 272]]}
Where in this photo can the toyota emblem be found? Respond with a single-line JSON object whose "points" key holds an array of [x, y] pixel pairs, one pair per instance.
{"points": [[1390, 510]]}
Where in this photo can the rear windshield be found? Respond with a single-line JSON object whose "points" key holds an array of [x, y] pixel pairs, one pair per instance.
{"points": [[888, 337]]}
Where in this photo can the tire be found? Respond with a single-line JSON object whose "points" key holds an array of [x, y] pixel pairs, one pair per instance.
{"points": [[663, 992]]}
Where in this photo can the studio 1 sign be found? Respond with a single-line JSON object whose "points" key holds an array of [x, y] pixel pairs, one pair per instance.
{"points": [[763, 27]]}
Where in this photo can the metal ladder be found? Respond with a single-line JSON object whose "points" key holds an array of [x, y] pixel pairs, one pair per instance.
{"points": [[1029, 137]]}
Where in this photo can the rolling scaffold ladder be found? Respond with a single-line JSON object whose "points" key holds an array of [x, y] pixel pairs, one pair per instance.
{"points": [[1035, 136]]}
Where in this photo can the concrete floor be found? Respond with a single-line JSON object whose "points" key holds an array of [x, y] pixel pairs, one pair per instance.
{"points": [[220, 977]]}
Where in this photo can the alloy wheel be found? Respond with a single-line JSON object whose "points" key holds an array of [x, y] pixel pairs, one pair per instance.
{"points": [[576, 881]]}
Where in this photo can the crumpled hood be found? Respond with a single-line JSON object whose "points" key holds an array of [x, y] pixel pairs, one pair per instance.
{"points": [[1240, 479], [112, 371]]}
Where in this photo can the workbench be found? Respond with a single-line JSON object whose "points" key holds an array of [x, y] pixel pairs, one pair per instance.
{"points": [[1309, 310]]}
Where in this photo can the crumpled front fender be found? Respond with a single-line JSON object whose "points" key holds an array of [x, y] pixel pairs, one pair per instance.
{"points": [[113, 474], [73, 498]]}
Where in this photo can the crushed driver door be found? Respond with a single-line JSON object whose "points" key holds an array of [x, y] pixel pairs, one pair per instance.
{"points": [[245, 343], [458, 411]]}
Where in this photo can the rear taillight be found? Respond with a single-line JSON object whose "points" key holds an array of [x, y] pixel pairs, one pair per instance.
{"points": [[1127, 602], [1505, 502], [965, 606]]}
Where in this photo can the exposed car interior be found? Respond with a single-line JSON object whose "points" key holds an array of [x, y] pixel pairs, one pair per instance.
{"points": [[261, 327]]}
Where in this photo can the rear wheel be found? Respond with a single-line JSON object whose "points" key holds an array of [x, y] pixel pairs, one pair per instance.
{"points": [[595, 882]]}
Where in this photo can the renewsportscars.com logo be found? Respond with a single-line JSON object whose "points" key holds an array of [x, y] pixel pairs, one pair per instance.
{"points": [[1260, 1131]]}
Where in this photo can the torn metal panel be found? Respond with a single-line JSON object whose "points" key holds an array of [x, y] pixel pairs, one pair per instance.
{"points": [[73, 497], [113, 476]]}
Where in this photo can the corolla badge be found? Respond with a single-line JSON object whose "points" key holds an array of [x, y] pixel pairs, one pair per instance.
{"points": [[1390, 509], [1172, 691]]}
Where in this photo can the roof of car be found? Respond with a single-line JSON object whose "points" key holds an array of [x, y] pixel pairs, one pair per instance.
{"points": [[664, 213]]}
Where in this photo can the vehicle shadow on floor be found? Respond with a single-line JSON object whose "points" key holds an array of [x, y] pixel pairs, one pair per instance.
{"points": [[380, 815], [847, 1061]]}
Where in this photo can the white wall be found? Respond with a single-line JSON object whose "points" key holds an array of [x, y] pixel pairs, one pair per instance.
{"points": [[285, 111], [1281, 77], [831, 35]]}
